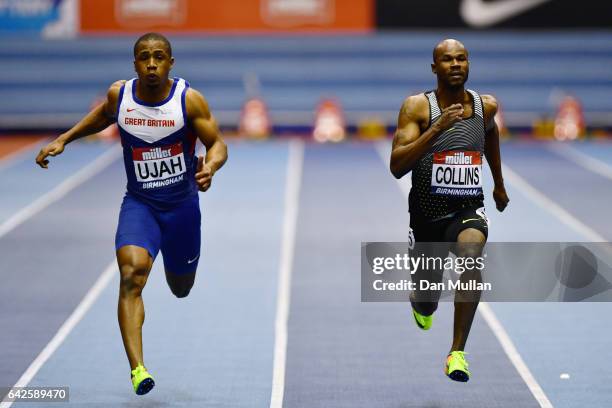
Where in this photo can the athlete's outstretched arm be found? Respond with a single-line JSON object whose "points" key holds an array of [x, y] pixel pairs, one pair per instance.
{"points": [[492, 152], [206, 128], [95, 121], [409, 145]]}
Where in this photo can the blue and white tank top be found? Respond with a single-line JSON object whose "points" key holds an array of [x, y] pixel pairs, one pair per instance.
{"points": [[158, 146]]}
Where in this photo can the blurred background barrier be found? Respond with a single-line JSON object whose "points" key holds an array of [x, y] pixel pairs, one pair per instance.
{"points": [[300, 52], [227, 15], [536, 14]]}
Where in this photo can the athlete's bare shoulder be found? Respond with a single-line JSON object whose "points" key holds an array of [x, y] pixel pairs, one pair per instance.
{"points": [[112, 98], [416, 104], [415, 109], [195, 104], [489, 104], [201, 119], [115, 88]]}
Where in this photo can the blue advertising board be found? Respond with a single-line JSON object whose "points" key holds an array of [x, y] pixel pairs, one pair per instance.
{"points": [[37, 17]]}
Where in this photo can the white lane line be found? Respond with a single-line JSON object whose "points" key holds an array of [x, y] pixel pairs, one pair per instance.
{"points": [[16, 155], [100, 163], [542, 201], [582, 159], [384, 151], [88, 300], [485, 310], [292, 195], [508, 346]]}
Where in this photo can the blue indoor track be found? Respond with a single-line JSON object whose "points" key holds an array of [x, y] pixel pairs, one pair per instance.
{"points": [[216, 348]]}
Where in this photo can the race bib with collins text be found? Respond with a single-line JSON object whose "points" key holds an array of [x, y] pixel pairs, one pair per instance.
{"points": [[457, 173]]}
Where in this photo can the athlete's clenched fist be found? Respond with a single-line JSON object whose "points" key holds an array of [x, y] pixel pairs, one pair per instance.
{"points": [[204, 174], [52, 149], [449, 117]]}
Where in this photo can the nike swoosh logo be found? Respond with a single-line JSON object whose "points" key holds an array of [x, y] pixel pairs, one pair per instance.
{"points": [[190, 261], [471, 219], [477, 13], [129, 110]]}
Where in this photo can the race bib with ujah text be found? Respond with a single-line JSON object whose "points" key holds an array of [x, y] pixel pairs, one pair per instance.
{"points": [[159, 166]]}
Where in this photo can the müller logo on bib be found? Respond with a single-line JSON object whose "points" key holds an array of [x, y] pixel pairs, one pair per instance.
{"points": [[457, 173], [159, 166]]}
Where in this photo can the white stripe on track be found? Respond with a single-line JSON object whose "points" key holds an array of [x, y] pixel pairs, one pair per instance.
{"points": [[88, 300], [384, 151], [292, 195], [541, 200], [485, 310], [584, 160], [513, 355], [16, 155], [87, 172]]}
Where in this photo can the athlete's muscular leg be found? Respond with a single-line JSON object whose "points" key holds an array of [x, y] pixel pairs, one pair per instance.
{"points": [[470, 243], [425, 302], [134, 266], [180, 284], [180, 247]]}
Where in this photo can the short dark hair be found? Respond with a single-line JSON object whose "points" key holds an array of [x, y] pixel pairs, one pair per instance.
{"points": [[154, 37]]}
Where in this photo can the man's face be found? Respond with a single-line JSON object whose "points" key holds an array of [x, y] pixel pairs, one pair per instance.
{"points": [[452, 66], [152, 62]]}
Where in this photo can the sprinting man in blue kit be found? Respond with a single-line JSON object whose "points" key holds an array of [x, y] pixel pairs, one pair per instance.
{"points": [[159, 119]]}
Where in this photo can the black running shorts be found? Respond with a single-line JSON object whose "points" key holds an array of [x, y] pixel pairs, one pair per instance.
{"points": [[447, 229]]}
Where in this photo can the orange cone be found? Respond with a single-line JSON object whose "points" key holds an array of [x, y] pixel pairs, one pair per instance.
{"points": [[569, 122], [329, 123], [254, 119]]}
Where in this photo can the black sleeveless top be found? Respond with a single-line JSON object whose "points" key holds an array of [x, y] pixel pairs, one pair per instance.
{"points": [[448, 178]]}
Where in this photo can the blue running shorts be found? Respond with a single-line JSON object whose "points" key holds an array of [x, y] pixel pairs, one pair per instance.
{"points": [[176, 232]]}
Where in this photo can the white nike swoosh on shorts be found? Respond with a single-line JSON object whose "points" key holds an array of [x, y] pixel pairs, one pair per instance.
{"points": [[477, 13], [190, 261]]}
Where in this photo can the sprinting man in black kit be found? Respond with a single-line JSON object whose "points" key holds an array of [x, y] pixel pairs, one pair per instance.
{"points": [[440, 138]]}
